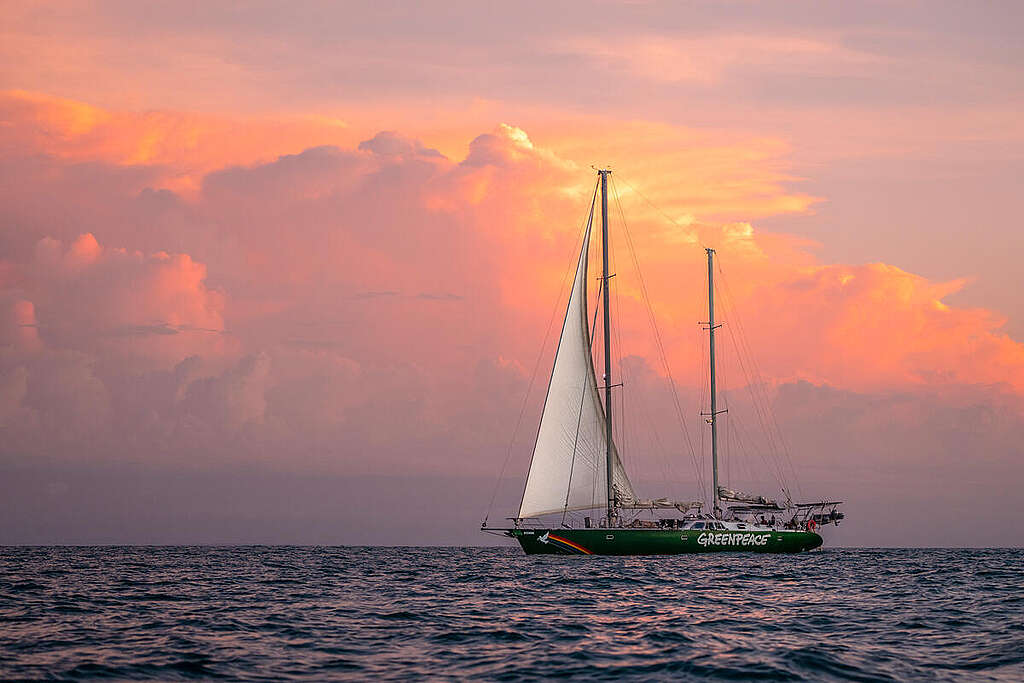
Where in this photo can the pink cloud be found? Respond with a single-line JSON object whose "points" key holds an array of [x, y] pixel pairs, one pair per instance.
{"points": [[377, 308], [104, 300]]}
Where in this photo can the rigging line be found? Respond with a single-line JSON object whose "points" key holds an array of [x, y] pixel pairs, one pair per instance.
{"points": [[644, 411], [723, 391], [744, 358], [740, 454], [540, 356], [590, 359], [624, 430], [660, 347], [750, 355], [638, 399], [641, 408], [701, 243], [705, 389], [615, 351], [755, 403], [771, 459], [579, 414], [759, 401], [742, 437], [658, 209], [702, 382], [617, 355], [657, 333], [733, 445], [779, 435], [728, 445], [700, 470]]}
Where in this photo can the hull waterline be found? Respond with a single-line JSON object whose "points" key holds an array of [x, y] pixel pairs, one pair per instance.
{"points": [[619, 541]]}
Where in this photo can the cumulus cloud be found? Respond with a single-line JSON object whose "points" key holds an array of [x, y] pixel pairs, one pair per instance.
{"points": [[878, 326], [178, 147], [234, 398], [88, 297], [13, 389], [319, 256], [377, 308], [18, 324], [391, 144], [859, 326]]}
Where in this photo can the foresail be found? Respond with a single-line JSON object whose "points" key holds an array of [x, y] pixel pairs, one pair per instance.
{"points": [[568, 469]]}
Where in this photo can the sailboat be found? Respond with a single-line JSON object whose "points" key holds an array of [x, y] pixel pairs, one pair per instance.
{"points": [[576, 466]]}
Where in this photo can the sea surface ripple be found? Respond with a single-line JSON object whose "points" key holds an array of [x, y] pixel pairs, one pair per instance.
{"points": [[353, 613]]}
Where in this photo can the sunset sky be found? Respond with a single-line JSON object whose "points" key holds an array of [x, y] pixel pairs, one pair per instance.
{"points": [[281, 272]]}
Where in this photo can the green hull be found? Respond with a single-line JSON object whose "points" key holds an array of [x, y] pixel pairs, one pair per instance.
{"points": [[660, 541]]}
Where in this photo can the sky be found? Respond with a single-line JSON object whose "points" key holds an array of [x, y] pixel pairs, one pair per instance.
{"points": [[289, 273]]}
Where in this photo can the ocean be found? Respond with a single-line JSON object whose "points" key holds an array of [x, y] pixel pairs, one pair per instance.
{"points": [[369, 613]]}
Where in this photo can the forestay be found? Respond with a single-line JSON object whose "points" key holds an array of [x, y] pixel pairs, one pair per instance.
{"points": [[568, 468]]}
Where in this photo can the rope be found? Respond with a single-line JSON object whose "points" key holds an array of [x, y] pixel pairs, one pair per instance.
{"points": [[656, 208], [657, 335], [759, 399]]}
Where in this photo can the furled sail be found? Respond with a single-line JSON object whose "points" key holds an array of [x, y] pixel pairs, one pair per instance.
{"points": [[568, 469], [665, 504], [741, 497]]}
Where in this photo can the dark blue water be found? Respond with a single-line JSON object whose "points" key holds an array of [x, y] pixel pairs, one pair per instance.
{"points": [[451, 613]]}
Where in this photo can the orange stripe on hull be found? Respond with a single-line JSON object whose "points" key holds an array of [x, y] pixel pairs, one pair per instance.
{"points": [[569, 543]]}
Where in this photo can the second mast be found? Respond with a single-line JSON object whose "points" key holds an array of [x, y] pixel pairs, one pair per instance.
{"points": [[713, 415]]}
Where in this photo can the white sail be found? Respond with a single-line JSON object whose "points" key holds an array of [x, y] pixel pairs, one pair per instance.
{"points": [[568, 469]]}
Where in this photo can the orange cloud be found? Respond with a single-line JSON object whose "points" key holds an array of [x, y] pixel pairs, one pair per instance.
{"points": [[863, 327], [189, 145], [85, 296], [692, 173], [879, 326], [473, 247], [18, 323]]}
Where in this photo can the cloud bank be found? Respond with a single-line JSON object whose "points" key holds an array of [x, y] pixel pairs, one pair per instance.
{"points": [[373, 309]]}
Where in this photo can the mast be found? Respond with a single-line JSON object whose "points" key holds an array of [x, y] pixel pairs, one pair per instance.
{"points": [[714, 397], [607, 348]]}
